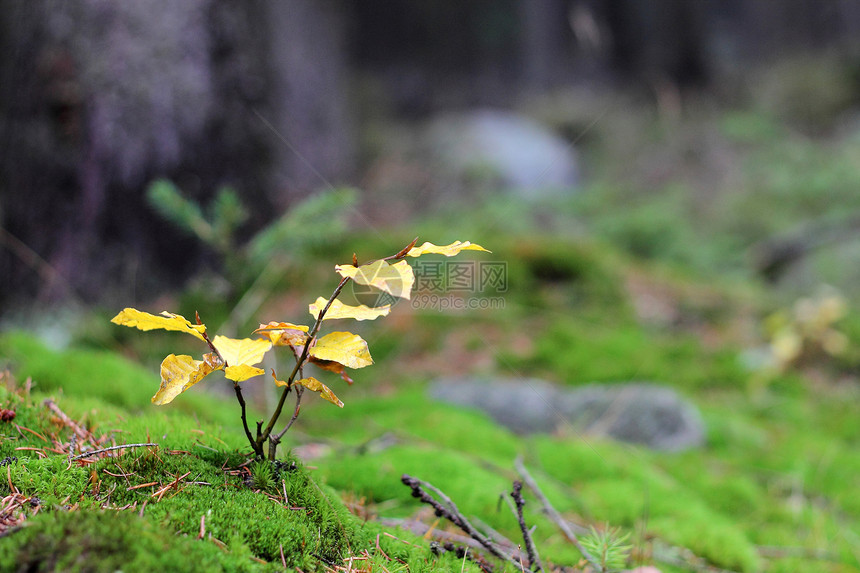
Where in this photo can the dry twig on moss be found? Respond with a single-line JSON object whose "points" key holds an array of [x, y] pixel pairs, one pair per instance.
{"points": [[517, 495], [447, 509], [554, 515], [120, 447]]}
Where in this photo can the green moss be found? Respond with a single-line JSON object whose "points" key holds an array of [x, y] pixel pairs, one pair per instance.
{"points": [[95, 541], [476, 490], [50, 479], [311, 526], [411, 414], [580, 352]]}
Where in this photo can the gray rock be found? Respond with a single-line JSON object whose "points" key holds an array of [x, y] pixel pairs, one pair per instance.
{"points": [[642, 413], [520, 154], [648, 414], [524, 406]]}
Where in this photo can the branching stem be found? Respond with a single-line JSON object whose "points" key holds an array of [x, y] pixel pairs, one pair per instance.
{"points": [[299, 364], [276, 439], [266, 433]]}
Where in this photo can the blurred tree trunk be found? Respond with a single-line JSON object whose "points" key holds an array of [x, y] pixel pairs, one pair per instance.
{"points": [[546, 43], [658, 40], [97, 99], [795, 26], [309, 90]]}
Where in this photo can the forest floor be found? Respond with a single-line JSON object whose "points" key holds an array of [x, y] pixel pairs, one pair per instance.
{"points": [[636, 277]]}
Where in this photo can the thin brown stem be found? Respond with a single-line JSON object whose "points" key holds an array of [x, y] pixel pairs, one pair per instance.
{"points": [[257, 449], [299, 364], [276, 439], [299, 393], [255, 445], [209, 342]]}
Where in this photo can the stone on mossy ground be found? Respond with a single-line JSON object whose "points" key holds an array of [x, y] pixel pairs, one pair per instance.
{"points": [[648, 414]]}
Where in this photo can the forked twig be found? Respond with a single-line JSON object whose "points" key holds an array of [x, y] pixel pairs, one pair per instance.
{"points": [[531, 551], [447, 509], [554, 515]]}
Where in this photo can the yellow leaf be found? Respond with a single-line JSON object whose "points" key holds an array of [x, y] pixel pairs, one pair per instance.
{"points": [[447, 250], [340, 310], [314, 385], [335, 367], [179, 373], [245, 351], [325, 392], [167, 321], [396, 279], [344, 348], [242, 372], [284, 333]]}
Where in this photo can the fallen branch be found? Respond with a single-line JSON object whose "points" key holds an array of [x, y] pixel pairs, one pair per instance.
{"points": [[448, 510], [517, 495], [421, 529], [103, 450], [554, 515], [499, 539]]}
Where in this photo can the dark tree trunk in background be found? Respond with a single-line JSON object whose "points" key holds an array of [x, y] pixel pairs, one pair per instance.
{"points": [[98, 98], [650, 41], [797, 26], [658, 40], [546, 43], [310, 85]]}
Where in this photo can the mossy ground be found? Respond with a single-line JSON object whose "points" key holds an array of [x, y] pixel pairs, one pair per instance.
{"points": [[774, 488], [148, 507], [779, 469]]}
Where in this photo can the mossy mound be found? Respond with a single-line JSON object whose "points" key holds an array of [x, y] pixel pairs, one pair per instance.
{"points": [[189, 503]]}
